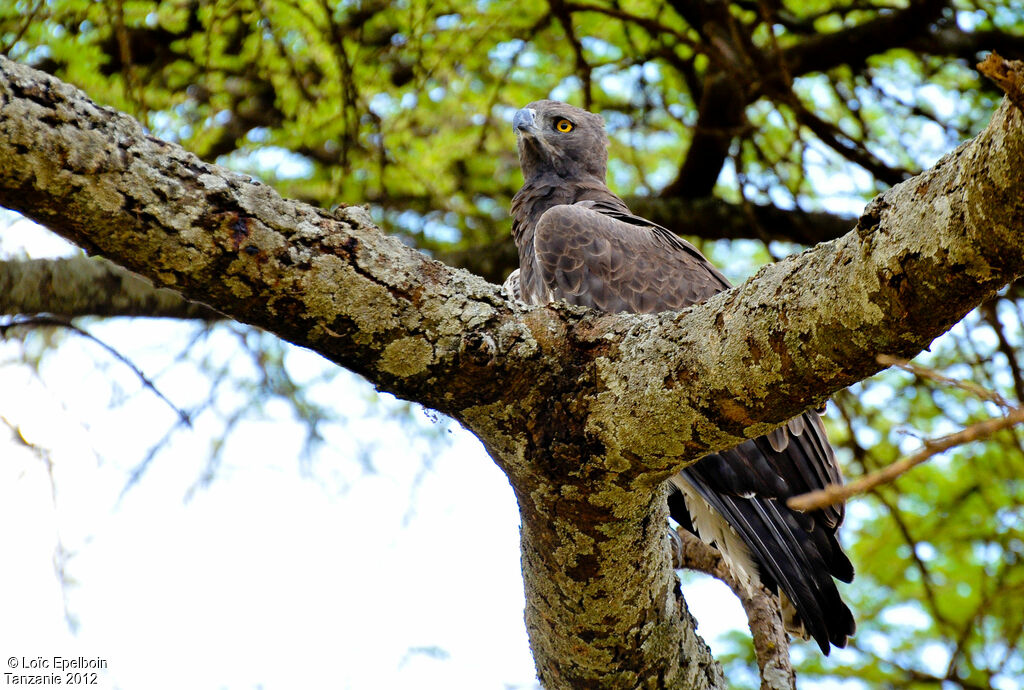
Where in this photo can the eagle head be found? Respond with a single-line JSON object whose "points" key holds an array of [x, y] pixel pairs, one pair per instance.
{"points": [[559, 138]]}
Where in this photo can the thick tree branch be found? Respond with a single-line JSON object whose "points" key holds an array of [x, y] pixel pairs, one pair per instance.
{"points": [[714, 219], [720, 117], [952, 41], [727, 88], [88, 286], [738, 72], [411, 325], [923, 254], [335, 284], [852, 46]]}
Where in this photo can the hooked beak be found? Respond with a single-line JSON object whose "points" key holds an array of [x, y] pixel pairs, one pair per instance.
{"points": [[523, 119]]}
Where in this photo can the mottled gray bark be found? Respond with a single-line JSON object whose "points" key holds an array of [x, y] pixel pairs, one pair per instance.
{"points": [[587, 414], [88, 286]]}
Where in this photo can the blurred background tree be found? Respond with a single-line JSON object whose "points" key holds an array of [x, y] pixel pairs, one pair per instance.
{"points": [[754, 128]]}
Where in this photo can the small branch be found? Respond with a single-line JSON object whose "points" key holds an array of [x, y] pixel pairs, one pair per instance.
{"points": [[989, 313], [61, 554], [771, 645], [651, 25], [712, 218], [846, 146], [927, 579], [54, 321], [836, 493], [926, 373], [1008, 76], [583, 69]]}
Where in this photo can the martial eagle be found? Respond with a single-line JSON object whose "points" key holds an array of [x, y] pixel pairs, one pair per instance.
{"points": [[580, 243]]}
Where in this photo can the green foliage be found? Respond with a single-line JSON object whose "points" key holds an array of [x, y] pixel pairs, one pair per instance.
{"points": [[405, 105], [946, 597]]}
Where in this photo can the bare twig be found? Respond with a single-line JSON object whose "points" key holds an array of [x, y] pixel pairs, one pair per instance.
{"points": [[924, 372], [583, 69], [990, 313], [835, 493], [61, 554], [28, 19], [36, 321], [771, 645]]}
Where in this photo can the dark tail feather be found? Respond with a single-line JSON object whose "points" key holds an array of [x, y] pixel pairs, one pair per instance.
{"points": [[788, 556]]}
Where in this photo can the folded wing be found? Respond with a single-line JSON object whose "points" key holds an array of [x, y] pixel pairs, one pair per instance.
{"points": [[597, 254]]}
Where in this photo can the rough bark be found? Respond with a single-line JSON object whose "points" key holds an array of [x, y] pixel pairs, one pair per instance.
{"points": [[88, 286], [586, 413], [603, 607]]}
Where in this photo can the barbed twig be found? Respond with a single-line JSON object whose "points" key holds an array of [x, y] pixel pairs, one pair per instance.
{"points": [[836, 493]]}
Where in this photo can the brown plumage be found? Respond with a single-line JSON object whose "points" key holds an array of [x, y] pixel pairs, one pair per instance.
{"points": [[579, 242]]}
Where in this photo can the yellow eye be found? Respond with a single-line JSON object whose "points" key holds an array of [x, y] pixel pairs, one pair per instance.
{"points": [[563, 125]]}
